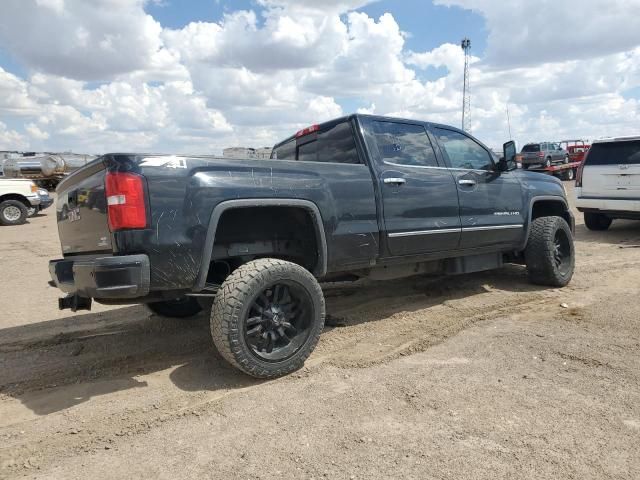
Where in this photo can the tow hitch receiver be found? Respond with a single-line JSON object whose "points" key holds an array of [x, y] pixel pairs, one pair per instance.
{"points": [[74, 302]]}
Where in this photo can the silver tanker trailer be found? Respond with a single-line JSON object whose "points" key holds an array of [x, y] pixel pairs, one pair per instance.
{"points": [[45, 169]]}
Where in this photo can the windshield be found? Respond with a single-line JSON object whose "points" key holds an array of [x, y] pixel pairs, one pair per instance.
{"points": [[614, 153]]}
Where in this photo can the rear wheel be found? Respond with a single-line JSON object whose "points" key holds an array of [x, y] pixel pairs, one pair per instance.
{"points": [[565, 160], [267, 317], [13, 212], [550, 252], [597, 221], [547, 162], [181, 308]]}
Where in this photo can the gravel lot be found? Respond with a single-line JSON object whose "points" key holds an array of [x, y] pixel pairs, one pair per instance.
{"points": [[478, 376]]}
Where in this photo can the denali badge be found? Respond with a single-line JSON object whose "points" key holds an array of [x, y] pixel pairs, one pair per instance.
{"points": [[507, 214]]}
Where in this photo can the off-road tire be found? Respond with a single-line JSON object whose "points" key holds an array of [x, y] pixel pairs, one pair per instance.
{"points": [[565, 160], [597, 221], [11, 205], [548, 162], [182, 308], [230, 307], [539, 254]]}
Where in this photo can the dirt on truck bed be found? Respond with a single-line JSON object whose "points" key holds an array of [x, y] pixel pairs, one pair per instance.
{"points": [[476, 376]]}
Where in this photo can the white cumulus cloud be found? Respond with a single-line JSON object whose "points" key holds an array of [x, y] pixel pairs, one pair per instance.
{"points": [[119, 80]]}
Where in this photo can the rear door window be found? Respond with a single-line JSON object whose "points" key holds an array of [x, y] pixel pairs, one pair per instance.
{"points": [[404, 144], [614, 153]]}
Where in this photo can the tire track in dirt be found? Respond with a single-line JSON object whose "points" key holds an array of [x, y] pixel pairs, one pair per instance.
{"points": [[105, 359]]}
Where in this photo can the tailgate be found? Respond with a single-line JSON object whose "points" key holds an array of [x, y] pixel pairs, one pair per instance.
{"points": [[611, 181], [531, 157], [612, 170], [81, 208]]}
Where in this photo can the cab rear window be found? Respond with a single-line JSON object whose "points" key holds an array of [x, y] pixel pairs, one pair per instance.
{"points": [[614, 153], [333, 144]]}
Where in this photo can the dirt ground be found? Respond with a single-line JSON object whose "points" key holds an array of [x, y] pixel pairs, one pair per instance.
{"points": [[481, 376]]}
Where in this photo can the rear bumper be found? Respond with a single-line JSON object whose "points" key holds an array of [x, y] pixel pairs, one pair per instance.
{"points": [[102, 277], [607, 204]]}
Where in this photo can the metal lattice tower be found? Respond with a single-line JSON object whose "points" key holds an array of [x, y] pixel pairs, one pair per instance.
{"points": [[466, 95]]}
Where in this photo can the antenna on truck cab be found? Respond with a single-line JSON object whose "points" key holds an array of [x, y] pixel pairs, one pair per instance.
{"points": [[466, 95]]}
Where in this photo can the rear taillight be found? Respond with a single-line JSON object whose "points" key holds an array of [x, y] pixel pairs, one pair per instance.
{"points": [[126, 207], [580, 170], [540, 154], [579, 174]]}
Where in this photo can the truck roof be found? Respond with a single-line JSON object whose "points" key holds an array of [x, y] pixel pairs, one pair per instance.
{"points": [[617, 139], [321, 126]]}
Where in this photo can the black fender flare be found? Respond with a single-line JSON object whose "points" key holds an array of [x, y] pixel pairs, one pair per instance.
{"points": [[541, 198], [312, 208]]}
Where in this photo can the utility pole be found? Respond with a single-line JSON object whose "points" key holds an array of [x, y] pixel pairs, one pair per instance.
{"points": [[466, 95]]}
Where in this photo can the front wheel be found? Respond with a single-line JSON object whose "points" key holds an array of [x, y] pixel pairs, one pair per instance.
{"points": [[267, 317], [550, 254], [180, 308], [597, 221], [13, 212]]}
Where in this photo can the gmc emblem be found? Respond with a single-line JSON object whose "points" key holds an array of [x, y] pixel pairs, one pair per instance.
{"points": [[74, 214]]}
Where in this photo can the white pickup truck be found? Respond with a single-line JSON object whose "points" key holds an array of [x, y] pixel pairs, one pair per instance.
{"points": [[19, 199]]}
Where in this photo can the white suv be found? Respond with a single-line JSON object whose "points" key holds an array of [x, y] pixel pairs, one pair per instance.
{"points": [[608, 182]]}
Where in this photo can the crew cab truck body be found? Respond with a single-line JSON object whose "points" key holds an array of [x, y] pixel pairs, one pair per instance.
{"points": [[360, 196]]}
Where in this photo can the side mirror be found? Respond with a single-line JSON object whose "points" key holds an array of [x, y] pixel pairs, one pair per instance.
{"points": [[508, 160]]}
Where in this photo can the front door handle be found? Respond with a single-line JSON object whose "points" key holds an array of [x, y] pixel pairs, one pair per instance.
{"points": [[467, 181], [395, 181]]}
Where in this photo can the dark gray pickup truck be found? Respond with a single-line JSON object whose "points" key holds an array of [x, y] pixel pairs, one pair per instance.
{"points": [[360, 196]]}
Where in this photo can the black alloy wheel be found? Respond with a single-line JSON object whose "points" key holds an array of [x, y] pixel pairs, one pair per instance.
{"points": [[267, 317], [562, 252], [279, 322], [550, 254]]}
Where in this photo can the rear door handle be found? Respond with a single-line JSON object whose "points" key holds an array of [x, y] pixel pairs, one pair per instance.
{"points": [[467, 182], [395, 181]]}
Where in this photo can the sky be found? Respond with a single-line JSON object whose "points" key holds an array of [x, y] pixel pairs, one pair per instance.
{"points": [[196, 76]]}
